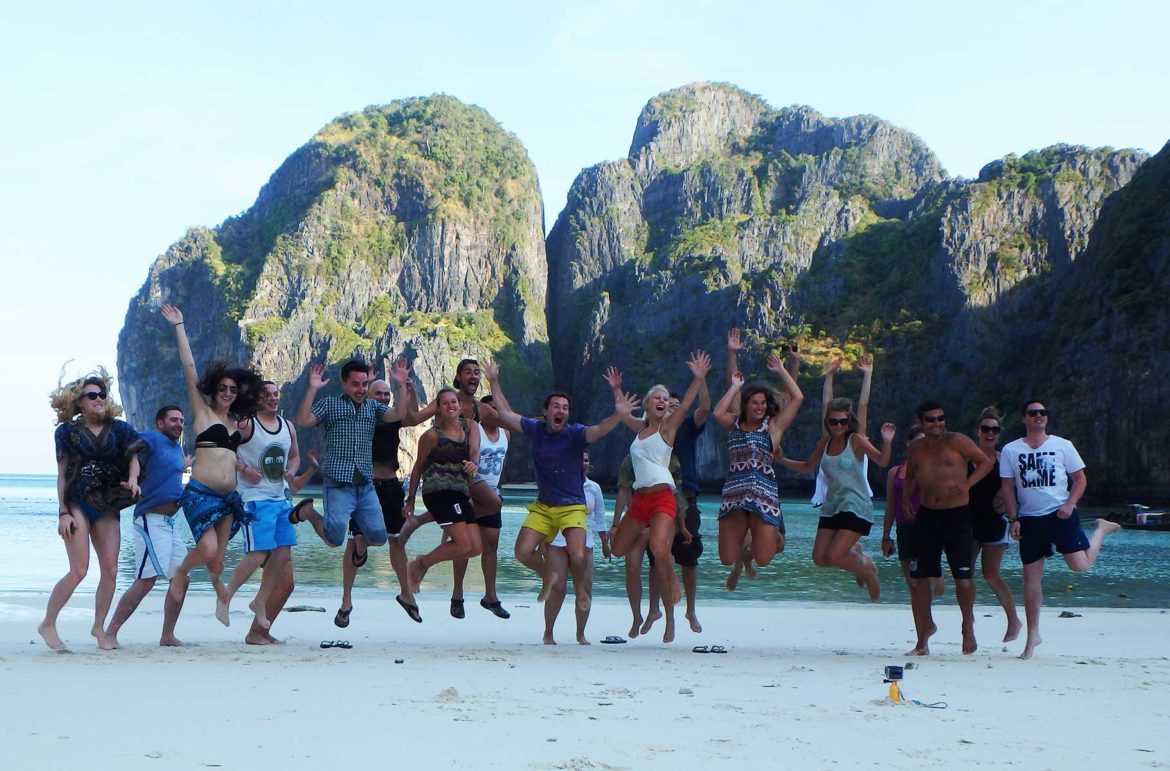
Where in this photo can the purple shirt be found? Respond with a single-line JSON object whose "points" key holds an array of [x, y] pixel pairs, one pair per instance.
{"points": [[558, 459]]}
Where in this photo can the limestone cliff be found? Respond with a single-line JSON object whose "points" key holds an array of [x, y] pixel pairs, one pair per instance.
{"points": [[414, 228], [841, 233]]}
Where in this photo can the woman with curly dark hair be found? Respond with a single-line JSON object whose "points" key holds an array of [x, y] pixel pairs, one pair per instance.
{"points": [[214, 510], [97, 477]]}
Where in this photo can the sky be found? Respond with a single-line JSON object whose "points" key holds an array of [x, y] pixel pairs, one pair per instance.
{"points": [[124, 124]]}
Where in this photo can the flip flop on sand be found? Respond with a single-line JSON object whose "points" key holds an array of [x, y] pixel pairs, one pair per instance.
{"points": [[700, 649], [495, 607], [613, 639], [343, 644], [411, 610], [342, 618], [718, 649]]}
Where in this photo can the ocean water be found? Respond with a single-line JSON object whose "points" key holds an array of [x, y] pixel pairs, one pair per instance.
{"points": [[1133, 571]]}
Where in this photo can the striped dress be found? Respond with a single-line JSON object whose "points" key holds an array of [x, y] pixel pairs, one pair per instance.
{"points": [[751, 481]]}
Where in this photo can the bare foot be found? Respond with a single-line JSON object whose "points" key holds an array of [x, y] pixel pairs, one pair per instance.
{"points": [[651, 617], [668, 633], [1030, 645], [733, 578], [675, 589], [636, 628], [550, 580], [1108, 526], [870, 580], [581, 639], [693, 620], [261, 617], [170, 641], [273, 640], [1013, 630], [221, 592], [548, 639], [921, 650], [256, 638], [48, 633], [969, 644], [923, 647], [415, 572], [104, 641], [221, 613]]}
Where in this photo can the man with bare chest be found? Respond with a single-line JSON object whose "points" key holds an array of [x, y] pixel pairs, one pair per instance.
{"points": [[938, 464]]}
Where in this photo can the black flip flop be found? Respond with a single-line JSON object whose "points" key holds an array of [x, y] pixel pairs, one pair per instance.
{"points": [[343, 644], [700, 649], [495, 607], [411, 610], [718, 649], [294, 516], [357, 560], [613, 639], [457, 609], [342, 618]]}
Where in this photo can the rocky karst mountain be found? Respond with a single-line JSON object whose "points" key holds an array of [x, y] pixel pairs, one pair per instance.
{"points": [[416, 228], [841, 233], [411, 229]]}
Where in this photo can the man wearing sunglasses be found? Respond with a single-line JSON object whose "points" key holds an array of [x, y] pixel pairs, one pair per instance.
{"points": [[1041, 507], [938, 465]]}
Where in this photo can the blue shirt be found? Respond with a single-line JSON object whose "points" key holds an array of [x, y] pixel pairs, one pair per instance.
{"points": [[559, 462], [349, 437], [684, 450], [161, 481]]}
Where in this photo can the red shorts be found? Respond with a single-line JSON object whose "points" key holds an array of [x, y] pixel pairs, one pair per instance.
{"points": [[646, 505]]}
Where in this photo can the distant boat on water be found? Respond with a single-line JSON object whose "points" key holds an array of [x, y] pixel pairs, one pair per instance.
{"points": [[1135, 516]]}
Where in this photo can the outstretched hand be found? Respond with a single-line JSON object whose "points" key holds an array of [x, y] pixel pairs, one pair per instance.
{"points": [[699, 364], [624, 403], [865, 363], [734, 341], [489, 369], [774, 364], [737, 380], [833, 366], [173, 315], [613, 376], [317, 379], [888, 431], [399, 371]]}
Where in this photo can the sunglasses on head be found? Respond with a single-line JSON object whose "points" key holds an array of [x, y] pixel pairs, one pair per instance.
{"points": [[934, 419], [838, 421], [231, 389], [1037, 413], [990, 429], [93, 396]]}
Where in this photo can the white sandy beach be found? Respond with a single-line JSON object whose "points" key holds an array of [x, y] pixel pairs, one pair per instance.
{"points": [[800, 687]]}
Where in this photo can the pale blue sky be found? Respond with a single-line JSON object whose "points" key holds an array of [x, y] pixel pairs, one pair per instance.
{"points": [[123, 124]]}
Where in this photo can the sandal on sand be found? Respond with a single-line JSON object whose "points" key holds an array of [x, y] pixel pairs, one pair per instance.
{"points": [[457, 609], [700, 649], [718, 649], [343, 644], [342, 617], [411, 610], [294, 516], [495, 607], [613, 639]]}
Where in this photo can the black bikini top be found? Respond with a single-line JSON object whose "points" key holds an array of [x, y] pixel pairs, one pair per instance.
{"points": [[217, 436]]}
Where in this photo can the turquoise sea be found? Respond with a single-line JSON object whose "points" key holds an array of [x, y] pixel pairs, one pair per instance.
{"points": [[1134, 570]]}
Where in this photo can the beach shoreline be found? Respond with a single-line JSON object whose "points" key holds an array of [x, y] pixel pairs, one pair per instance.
{"points": [[800, 686]]}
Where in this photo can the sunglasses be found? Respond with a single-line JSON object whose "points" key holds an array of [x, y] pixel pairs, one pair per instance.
{"points": [[1037, 413], [990, 429], [934, 419], [229, 388], [93, 396], [838, 421]]}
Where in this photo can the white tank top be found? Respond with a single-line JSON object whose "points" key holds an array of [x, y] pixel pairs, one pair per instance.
{"points": [[651, 459], [491, 457], [267, 451]]}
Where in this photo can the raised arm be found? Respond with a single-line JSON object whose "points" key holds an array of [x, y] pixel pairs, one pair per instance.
{"points": [[623, 405], [704, 408], [174, 317], [317, 380], [727, 410], [865, 364], [504, 414], [699, 365], [405, 400], [782, 420], [862, 446], [827, 390], [735, 344]]}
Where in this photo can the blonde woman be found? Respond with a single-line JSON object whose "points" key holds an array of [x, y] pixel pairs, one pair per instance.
{"points": [[97, 477]]}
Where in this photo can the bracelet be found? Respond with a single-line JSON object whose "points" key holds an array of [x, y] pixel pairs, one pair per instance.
{"points": [[176, 325]]}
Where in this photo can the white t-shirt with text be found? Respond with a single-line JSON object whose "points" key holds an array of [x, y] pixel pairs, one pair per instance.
{"points": [[1040, 474]]}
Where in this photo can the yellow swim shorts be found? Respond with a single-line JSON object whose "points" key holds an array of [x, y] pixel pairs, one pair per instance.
{"points": [[550, 520]]}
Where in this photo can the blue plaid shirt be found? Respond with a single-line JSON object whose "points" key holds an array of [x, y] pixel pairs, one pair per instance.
{"points": [[349, 436]]}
